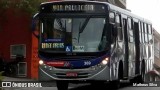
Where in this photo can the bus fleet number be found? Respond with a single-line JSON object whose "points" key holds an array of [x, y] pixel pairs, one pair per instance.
{"points": [[86, 63]]}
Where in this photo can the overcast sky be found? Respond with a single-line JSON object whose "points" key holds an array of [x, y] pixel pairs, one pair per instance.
{"points": [[149, 9]]}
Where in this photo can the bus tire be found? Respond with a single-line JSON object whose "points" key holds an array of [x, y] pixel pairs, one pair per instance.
{"points": [[141, 77], [62, 85]]}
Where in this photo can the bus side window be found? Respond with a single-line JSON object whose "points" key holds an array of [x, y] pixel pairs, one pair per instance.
{"points": [[112, 17], [150, 38], [146, 33], [140, 33], [119, 27], [130, 30], [113, 28]]}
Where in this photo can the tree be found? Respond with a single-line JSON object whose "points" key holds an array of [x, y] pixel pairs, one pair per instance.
{"points": [[29, 6]]}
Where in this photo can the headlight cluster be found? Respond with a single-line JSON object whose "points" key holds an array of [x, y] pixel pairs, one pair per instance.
{"points": [[100, 65], [41, 62], [48, 67], [105, 61]]}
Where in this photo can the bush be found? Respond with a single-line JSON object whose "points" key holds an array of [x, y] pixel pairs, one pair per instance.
{"points": [[30, 6], [1, 77]]}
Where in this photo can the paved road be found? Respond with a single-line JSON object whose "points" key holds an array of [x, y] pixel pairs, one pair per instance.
{"points": [[124, 86], [88, 87]]}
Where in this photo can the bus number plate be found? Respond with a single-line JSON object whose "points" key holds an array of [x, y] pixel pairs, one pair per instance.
{"points": [[71, 74]]}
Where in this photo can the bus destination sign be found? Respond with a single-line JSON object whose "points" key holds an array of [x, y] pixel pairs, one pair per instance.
{"points": [[73, 8]]}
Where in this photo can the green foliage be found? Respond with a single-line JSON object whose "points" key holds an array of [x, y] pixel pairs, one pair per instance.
{"points": [[30, 6], [1, 77]]}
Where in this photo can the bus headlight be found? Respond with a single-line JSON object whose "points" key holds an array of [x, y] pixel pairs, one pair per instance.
{"points": [[41, 62], [105, 61]]}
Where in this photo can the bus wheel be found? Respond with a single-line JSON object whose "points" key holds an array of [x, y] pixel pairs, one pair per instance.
{"points": [[62, 85], [141, 78]]}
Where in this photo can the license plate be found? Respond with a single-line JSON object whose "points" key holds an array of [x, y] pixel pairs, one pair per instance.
{"points": [[71, 74]]}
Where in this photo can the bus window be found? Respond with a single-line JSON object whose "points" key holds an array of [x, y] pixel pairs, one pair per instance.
{"points": [[145, 28], [146, 33], [118, 20], [151, 29], [150, 39], [149, 51], [140, 34], [118, 23], [130, 30], [111, 17], [146, 38]]}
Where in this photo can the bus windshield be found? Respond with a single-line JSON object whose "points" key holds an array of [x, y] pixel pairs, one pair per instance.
{"points": [[73, 34]]}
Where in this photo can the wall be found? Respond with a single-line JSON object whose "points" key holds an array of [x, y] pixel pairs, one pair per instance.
{"points": [[34, 58], [15, 29]]}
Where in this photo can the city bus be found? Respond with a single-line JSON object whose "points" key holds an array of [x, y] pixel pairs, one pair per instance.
{"points": [[93, 42]]}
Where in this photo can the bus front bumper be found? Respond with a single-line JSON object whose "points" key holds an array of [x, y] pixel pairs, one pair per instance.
{"points": [[48, 73]]}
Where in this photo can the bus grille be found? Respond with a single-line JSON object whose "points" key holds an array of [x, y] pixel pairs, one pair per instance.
{"points": [[79, 75], [75, 58]]}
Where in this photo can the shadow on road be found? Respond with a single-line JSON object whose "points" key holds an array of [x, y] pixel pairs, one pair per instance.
{"points": [[98, 87]]}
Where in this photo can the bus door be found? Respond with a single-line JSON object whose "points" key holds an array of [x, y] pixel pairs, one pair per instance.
{"points": [[131, 47], [120, 36], [137, 45]]}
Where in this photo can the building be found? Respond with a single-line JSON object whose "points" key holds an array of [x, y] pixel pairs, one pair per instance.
{"points": [[156, 50], [15, 37]]}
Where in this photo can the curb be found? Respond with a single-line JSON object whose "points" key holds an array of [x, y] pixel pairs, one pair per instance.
{"points": [[5, 78]]}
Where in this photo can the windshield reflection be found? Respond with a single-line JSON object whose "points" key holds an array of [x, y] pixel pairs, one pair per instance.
{"points": [[76, 34]]}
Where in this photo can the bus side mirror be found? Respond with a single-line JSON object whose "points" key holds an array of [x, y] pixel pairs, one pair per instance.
{"points": [[114, 32], [35, 22]]}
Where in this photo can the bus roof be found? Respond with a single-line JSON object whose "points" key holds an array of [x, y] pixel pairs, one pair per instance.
{"points": [[111, 7], [127, 12]]}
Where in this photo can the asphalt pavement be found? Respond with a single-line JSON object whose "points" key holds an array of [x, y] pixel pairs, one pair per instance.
{"points": [[17, 79], [75, 87]]}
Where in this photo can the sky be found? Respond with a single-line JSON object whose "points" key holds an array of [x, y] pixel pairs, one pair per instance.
{"points": [[148, 9]]}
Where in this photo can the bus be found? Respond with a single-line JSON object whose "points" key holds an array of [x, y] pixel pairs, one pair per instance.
{"points": [[93, 42]]}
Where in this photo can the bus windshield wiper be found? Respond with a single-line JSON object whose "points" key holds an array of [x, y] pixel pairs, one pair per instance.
{"points": [[81, 28]]}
